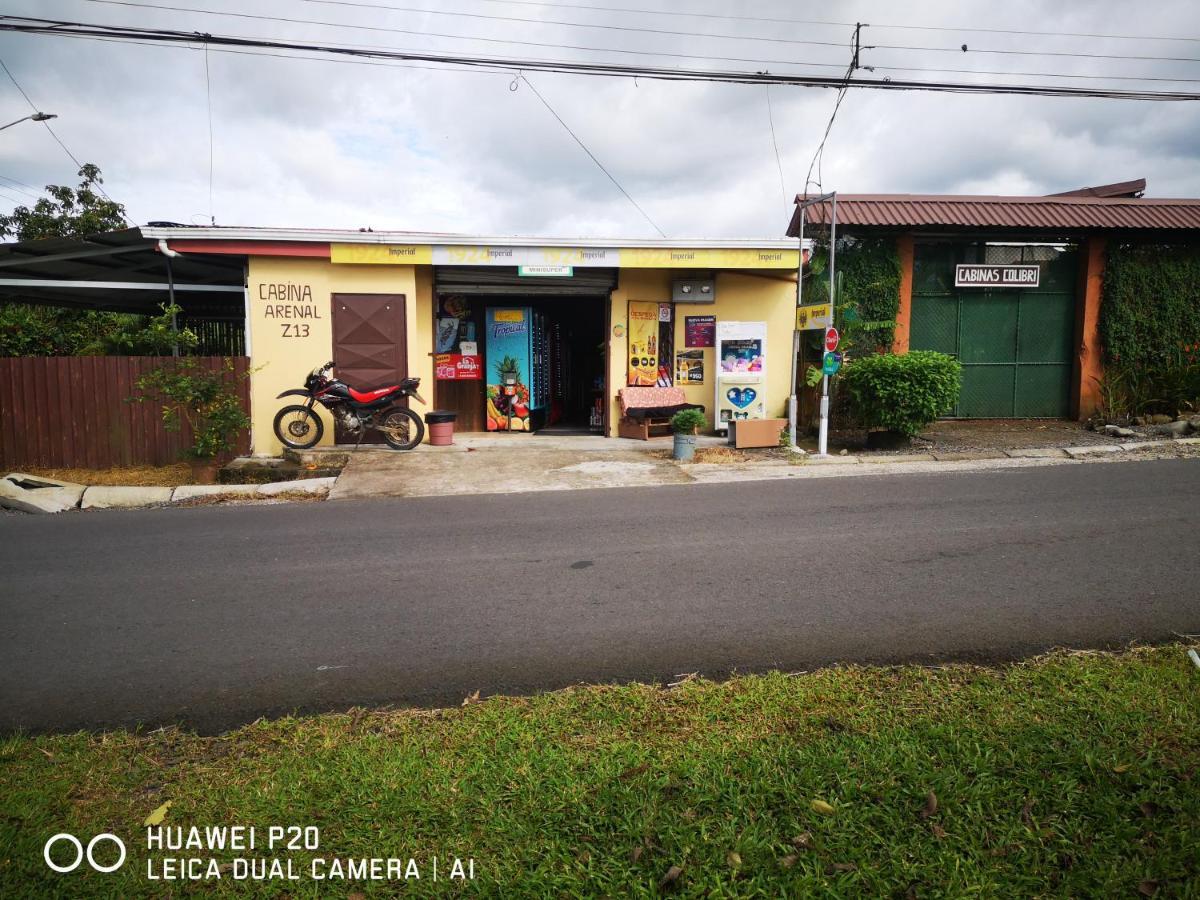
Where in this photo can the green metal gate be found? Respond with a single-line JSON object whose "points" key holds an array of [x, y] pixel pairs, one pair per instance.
{"points": [[1014, 344]]}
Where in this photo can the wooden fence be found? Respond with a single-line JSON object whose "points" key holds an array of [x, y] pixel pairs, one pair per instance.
{"points": [[74, 412]]}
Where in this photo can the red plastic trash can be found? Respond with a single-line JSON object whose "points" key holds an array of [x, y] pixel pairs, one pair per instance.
{"points": [[441, 427]]}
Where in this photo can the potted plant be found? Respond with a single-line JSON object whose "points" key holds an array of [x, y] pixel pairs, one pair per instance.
{"points": [[686, 424], [206, 401]]}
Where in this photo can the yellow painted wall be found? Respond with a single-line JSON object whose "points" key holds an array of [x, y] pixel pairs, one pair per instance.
{"points": [[740, 298], [283, 356]]}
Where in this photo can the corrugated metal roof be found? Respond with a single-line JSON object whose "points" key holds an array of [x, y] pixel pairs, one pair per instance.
{"points": [[354, 236], [1056, 213]]}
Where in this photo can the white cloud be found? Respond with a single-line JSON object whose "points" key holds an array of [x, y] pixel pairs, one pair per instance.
{"points": [[307, 143]]}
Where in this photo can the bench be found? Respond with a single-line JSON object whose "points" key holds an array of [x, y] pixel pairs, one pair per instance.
{"points": [[649, 408]]}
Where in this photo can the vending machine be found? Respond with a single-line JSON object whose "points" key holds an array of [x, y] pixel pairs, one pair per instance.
{"points": [[741, 351], [516, 365]]}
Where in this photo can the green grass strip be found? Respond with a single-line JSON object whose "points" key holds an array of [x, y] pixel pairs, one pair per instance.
{"points": [[1074, 774]]}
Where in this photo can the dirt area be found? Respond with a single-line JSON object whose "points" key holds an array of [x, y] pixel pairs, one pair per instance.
{"points": [[126, 476], [244, 500], [964, 435], [1165, 449]]}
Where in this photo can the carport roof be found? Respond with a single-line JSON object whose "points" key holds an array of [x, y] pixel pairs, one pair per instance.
{"points": [[1059, 213], [117, 270]]}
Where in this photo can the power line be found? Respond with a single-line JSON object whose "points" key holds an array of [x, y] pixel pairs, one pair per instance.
{"points": [[290, 21], [14, 185], [212, 219], [592, 155], [826, 22], [623, 28], [743, 59], [775, 144], [701, 34], [53, 133], [841, 95], [26, 25]]}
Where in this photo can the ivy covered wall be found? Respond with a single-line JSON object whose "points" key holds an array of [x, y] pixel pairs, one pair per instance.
{"points": [[1150, 303]]}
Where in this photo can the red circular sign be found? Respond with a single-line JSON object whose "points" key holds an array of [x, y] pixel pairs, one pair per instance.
{"points": [[831, 339]]}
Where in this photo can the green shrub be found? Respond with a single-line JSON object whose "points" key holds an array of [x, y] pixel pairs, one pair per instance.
{"points": [[688, 421], [205, 399], [902, 393]]}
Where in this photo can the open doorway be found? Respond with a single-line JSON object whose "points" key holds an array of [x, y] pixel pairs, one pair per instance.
{"points": [[509, 362]]}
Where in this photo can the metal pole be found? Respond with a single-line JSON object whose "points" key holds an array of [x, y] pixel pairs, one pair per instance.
{"points": [[796, 339], [823, 436], [171, 303]]}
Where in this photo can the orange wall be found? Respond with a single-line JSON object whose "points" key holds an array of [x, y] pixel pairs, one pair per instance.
{"points": [[904, 248], [1089, 363]]}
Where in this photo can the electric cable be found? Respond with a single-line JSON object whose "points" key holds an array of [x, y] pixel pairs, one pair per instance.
{"points": [[26, 25], [580, 142]]}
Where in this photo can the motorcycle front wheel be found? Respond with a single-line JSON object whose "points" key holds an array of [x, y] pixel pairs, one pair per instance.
{"points": [[298, 427], [401, 428]]}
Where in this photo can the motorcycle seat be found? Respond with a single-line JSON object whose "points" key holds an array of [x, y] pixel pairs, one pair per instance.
{"points": [[370, 396]]}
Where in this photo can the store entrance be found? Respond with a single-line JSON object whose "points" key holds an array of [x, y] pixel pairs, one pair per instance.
{"points": [[512, 363]]}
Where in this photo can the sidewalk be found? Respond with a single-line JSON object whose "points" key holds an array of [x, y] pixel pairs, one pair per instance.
{"points": [[508, 464]]}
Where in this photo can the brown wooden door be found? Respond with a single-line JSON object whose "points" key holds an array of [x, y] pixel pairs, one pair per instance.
{"points": [[369, 346]]}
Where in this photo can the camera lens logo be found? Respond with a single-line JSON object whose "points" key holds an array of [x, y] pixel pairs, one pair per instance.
{"points": [[80, 853]]}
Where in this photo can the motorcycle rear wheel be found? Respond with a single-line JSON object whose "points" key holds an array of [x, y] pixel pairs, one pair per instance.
{"points": [[401, 428], [298, 427]]}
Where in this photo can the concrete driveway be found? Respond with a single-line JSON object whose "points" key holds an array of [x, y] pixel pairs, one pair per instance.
{"points": [[507, 464]]}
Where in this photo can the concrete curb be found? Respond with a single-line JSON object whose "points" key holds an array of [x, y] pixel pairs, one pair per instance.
{"points": [[57, 496]]}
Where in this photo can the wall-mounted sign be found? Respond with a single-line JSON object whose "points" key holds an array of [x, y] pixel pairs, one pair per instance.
{"points": [[664, 312], [623, 257], [546, 271], [967, 275], [813, 318], [457, 367], [699, 331], [689, 367]]}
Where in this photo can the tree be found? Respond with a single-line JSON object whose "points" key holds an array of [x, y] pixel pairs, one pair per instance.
{"points": [[67, 212], [48, 331]]}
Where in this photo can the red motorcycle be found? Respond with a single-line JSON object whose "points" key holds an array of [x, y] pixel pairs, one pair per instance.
{"points": [[300, 427]]}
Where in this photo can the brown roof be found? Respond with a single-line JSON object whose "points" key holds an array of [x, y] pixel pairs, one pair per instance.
{"points": [[1134, 188], [1054, 213]]}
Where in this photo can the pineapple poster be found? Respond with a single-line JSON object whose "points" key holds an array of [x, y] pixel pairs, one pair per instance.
{"points": [[643, 344], [508, 361]]}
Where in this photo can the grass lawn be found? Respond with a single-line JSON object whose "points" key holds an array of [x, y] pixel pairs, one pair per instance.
{"points": [[1069, 775]]}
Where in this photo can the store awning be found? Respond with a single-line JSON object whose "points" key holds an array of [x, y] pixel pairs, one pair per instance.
{"points": [[121, 271], [504, 280]]}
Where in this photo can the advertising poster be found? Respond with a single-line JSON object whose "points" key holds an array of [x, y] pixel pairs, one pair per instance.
{"points": [[453, 324], [740, 372], [508, 358], [457, 367], [738, 400], [742, 356], [689, 367], [699, 331], [643, 344]]}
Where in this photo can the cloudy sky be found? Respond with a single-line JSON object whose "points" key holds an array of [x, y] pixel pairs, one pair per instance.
{"points": [[309, 143]]}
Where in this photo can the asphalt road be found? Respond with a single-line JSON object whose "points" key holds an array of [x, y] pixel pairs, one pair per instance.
{"points": [[214, 616]]}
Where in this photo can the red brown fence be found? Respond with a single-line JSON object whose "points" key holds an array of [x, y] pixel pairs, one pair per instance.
{"points": [[73, 411]]}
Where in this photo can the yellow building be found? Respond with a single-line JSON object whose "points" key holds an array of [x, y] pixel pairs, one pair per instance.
{"points": [[577, 320]]}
